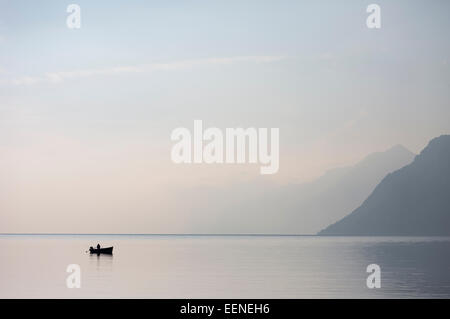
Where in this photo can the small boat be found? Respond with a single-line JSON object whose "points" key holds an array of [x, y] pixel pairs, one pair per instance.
{"points": [[107, 250]]}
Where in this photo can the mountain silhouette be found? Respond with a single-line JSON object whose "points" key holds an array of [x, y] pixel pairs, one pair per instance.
{"points": [[305, 208], [412, 201]]}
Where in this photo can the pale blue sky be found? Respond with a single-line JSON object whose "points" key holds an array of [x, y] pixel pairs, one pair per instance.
{"points": [[138, 69]]}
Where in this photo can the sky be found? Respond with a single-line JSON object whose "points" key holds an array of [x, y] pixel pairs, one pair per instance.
{"points": [[86, 114]]}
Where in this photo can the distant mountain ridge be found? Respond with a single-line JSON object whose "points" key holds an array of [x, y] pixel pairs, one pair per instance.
{"points": [[414, 200], [340, 190], [298, 208]]}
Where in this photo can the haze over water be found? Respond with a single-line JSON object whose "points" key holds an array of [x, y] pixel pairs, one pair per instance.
{"points": [[178, 266]]}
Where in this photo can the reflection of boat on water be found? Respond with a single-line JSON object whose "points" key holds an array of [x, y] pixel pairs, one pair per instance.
{"points": [[107, 250]]}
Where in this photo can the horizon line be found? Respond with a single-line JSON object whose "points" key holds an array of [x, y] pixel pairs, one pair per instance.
{"points": [[207, 235], [153, 234]]}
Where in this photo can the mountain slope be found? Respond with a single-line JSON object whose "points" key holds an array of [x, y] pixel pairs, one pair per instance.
{"points": [[296, 208], [414, 200]]}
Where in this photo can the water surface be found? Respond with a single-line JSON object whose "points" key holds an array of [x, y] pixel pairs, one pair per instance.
{"points": [[152, 266]]}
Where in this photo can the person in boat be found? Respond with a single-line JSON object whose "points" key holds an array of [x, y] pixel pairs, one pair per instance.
{"points": [[92, 248]]}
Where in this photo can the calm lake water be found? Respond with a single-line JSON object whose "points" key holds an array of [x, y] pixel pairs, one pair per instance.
{"points": [[224, 266]]}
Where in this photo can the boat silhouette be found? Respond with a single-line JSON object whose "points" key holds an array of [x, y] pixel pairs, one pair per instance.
{"points": [[107, 250]]}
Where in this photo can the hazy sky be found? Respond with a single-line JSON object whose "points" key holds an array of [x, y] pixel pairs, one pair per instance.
{"points": [[86, 114]]}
